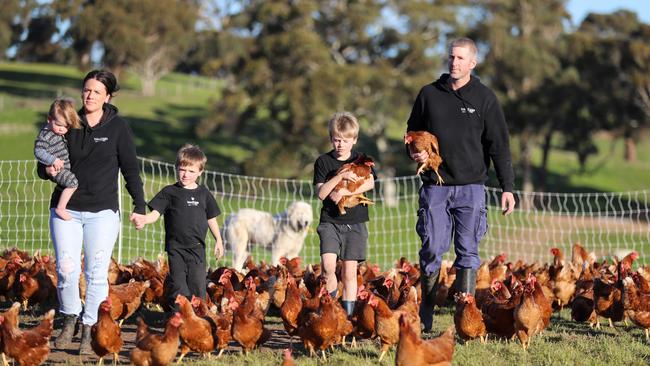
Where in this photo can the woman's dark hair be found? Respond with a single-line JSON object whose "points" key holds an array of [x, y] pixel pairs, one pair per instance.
{"points": [[105, 77]]}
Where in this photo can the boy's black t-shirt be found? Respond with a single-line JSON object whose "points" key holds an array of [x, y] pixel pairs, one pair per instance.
{"points": [[186, 213], [325, 168]]}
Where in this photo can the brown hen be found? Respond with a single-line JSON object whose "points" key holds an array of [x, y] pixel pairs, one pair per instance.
{"points": [[637, 306], [468, 319], [27, 346], [413, 351], [418, 141], [195, 332], [126, 298], [156, 349], [106, 336], [320, 330], [362, 168]]}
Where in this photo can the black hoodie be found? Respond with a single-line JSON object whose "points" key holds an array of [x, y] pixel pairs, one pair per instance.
{"points": [[470, 128], [97, 154]]}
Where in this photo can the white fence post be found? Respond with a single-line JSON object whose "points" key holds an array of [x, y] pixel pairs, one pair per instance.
{"points": [[119, 235]]}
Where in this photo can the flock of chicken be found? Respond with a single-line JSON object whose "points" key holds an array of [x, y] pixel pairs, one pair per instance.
{"points": [[511, 299]]}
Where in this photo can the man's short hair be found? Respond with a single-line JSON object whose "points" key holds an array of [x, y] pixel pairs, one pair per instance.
{"points": [[464, 42]]}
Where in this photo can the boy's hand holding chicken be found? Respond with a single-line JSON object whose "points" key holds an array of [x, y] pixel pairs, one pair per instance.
{"points": [[349, 183], [337, 194]]}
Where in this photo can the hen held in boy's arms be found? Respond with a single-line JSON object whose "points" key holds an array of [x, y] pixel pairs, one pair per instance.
{"points": [[418, 141], [362, 168]]}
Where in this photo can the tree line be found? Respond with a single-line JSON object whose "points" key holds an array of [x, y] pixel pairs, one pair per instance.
{"points": [[286, 66]]}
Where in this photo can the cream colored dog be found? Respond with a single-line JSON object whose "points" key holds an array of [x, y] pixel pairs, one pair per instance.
{"points": [[283, 233]]}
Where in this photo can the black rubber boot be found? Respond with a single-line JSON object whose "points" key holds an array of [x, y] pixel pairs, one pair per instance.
{"points": [[429, 285], [84, 346], [349, 307], [466, 280], [67, 332]]}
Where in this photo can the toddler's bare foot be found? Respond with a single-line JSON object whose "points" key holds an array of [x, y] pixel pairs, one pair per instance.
{"points": [[63, 213]]}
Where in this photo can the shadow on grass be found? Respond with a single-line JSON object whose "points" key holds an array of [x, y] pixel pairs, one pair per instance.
{"points": [[49, 83], [160, 139]]}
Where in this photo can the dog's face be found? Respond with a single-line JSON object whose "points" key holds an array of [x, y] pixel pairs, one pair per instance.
{"points": [[300, 216]]}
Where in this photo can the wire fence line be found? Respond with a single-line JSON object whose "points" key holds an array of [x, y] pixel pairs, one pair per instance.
{"points": [[606, 223]]}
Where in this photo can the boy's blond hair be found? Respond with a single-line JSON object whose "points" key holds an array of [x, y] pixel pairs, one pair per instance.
{"points": [[343, 124], [64, 107], [189, 155]]}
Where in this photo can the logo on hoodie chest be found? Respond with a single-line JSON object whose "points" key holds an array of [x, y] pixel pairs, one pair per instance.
{"points": [[467, 110], [100, 139]]}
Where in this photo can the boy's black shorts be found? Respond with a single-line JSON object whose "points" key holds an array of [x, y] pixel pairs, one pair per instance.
{"points": [[347, 241]]}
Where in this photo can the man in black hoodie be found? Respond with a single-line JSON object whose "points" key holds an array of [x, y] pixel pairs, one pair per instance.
{"points": [[468, 121]]}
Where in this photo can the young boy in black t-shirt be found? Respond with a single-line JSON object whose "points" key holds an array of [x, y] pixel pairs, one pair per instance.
{"points": [[189, 210], [343, 236]]}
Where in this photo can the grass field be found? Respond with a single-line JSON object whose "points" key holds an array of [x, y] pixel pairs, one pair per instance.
{"points": [[563, 343]]}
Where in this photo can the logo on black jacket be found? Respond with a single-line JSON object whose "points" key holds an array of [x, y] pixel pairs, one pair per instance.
{"points": [[467, 110]]}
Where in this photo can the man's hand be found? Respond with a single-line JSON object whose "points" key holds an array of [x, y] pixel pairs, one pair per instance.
{"points": [[138, 220], [420, 157], [58, 164], [507, 203]]}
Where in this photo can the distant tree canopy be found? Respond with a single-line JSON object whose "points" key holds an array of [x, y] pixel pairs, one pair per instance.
{"points": [[287, 66], [148, 36]]}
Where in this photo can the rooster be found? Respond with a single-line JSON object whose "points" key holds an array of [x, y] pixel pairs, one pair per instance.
{"points": [[418, 141]]}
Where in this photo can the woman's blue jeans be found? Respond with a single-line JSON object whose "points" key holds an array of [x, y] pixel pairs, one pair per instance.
{"points": [[95, 233]]}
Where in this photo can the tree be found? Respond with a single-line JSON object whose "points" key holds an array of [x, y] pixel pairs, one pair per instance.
{"points": [[523, 39], [149, 36], [14, 20], [614, 53], [7, 33], [38, 45], [81, 34], [289, 65]]}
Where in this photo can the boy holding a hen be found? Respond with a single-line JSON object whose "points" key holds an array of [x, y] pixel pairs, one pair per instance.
{"points": [[343, 236]]}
